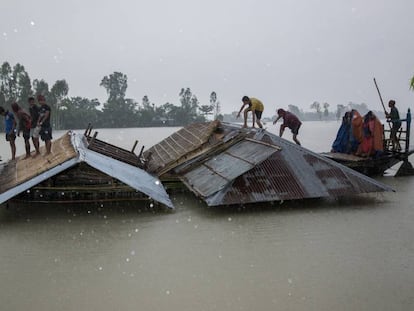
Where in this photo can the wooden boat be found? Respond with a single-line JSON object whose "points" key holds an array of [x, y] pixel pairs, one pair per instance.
{"points": [[376, 166]]}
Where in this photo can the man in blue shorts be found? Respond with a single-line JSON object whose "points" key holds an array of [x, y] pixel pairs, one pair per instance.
{"points": [[10, 129]]}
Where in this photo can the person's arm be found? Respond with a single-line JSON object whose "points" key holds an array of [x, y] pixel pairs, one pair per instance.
{"points": [[277, 119], [45, 116], [282, 129], [238, 115]]}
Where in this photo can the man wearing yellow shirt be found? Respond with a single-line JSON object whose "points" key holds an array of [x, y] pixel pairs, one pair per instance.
{"points": [[255, 106]]}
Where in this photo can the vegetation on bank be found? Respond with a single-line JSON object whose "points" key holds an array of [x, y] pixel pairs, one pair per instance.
{"points": [[116, 111], [119, 111]]}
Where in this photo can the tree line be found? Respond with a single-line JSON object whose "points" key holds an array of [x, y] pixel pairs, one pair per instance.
{"points": [[117, 111]]}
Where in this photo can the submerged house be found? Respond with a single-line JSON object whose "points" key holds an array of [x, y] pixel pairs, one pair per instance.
{"points": [[224, 164], [221, 163], [80, 169]]}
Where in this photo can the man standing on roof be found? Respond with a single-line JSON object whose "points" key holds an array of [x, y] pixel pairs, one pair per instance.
{"points": [[289, 120], [255, 106], [394, 118], [44, 123], [35, 129], [10, 129], [25, 123]]}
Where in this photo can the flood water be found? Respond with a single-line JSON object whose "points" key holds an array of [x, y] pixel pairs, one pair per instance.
{"points": [[350, 254]]}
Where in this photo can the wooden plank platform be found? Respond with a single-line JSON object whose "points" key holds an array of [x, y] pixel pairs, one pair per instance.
{"points": [[21, 170], [343, 156]]}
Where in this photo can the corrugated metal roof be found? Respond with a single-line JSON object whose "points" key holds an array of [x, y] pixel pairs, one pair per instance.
{"points": [[128, 174], [294, 173], [221, 169], [291, 174]]}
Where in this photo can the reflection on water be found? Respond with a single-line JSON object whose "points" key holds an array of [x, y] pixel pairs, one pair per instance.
{"points": [[350, 254]]}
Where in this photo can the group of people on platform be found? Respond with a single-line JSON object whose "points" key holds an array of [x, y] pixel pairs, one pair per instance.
{"points": [[31, 124], [364, 136]]}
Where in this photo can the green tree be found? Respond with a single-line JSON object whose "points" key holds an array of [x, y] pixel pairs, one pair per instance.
{"points": [[189, 105], [206, 109], [412, 84], [215, 103], [146, 112], [317, 106], [325, 110], [118, 111], [57, 93], [78, 112], [22, 86], [41, 87], [6, 84], [339, 111]]}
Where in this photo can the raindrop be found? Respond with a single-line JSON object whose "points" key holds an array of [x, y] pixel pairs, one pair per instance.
{"points": [[136, 229], [32, 23], [151, 205], [167, 292], [100, 268], [127, 260], [132, 253], [229, 219]]}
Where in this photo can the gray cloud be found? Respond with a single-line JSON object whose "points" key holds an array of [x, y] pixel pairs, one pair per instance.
{"points": [[282, 52]]}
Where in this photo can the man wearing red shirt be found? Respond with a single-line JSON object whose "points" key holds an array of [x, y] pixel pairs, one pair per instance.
{"points": [[289, 120]]}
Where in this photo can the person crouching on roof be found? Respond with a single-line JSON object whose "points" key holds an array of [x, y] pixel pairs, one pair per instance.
{"points": [[25, 123], [289, 120], [255, 106]]}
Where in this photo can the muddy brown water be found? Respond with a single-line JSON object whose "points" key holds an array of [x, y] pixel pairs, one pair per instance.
{"points": [[351, 254]]}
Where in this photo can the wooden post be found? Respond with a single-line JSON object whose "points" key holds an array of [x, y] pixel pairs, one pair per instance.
{"points": [[87, 129], [93, 138], [408, 130], [133, 148], [141, 152], [90, 130]]}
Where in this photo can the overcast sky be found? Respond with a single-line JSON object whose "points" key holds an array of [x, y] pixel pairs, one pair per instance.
{"points": [[280, 51]]}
